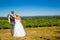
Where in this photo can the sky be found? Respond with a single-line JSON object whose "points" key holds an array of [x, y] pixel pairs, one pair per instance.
{"points": [[30, 7]]}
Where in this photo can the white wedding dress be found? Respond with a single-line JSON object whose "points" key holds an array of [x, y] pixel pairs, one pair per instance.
{"points": [[18, 29]]}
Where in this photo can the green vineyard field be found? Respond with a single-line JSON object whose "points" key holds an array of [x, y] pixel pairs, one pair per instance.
{"points": [[33, 22]]}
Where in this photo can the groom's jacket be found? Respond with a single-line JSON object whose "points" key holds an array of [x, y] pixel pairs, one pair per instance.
{"points": [[12, 19]]}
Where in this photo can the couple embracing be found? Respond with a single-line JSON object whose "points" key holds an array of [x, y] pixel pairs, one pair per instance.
{"points": [[16, 27]]}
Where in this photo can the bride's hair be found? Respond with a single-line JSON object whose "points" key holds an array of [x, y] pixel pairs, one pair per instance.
{"points": [[17, 15]]}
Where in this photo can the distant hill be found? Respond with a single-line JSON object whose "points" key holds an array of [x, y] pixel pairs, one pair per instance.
{"points": [[36, 17]]}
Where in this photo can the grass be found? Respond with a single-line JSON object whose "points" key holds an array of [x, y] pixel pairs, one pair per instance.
{"points": [[40, 33]]}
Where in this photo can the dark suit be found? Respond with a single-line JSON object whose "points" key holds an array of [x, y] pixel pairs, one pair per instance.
{"points": [[12, 24]]}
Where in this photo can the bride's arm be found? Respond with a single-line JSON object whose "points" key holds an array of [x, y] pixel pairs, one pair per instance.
{"points": [[9, 18], [13, 16]]}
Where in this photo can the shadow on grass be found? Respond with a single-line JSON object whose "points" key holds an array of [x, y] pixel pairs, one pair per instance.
{"points": [[45, 38], [57, 38], [57, 31]]}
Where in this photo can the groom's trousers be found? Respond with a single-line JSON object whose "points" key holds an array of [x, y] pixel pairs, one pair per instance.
{"points": [[12, 28]]}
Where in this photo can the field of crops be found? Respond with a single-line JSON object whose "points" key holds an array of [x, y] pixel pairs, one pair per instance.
{"points": [[33, 22]]}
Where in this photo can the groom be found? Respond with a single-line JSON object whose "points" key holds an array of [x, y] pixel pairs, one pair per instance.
{"points": [[12, 22]]}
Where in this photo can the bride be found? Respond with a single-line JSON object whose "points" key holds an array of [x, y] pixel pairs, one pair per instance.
{"points": [[18, 28]]}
